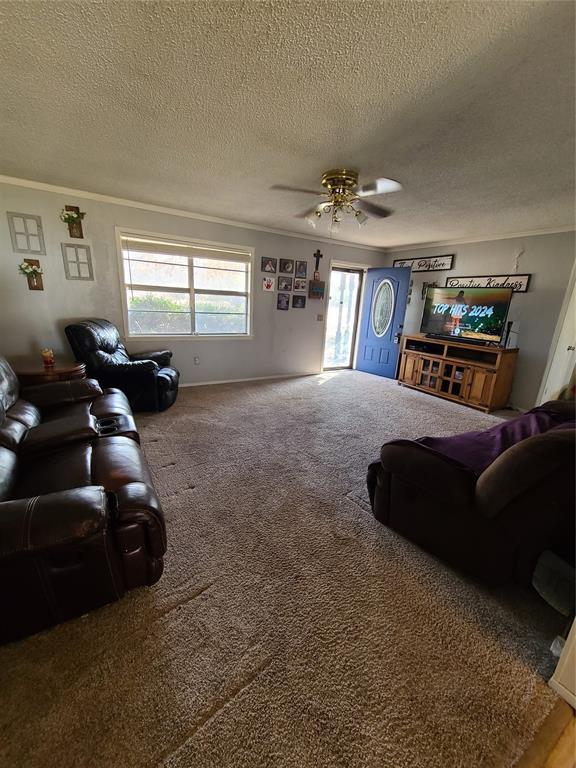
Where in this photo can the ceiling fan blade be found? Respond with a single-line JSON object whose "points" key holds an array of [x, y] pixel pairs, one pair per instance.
{"points": [[283, 188], [307, 213], [373, 210], [379, 187]]}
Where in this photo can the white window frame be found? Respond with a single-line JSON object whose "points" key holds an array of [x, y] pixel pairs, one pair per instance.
{"points": [[123, 232]]}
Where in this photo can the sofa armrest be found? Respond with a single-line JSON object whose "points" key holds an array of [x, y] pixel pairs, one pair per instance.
{"points": [[526, 466], [134, 367], [162, 357], [566, 408], [421, 467], [138, 503], [55, 519], [62, 392]]}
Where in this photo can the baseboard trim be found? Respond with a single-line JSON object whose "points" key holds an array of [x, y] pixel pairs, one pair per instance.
{"points": [[252, 378], [561, 690]]}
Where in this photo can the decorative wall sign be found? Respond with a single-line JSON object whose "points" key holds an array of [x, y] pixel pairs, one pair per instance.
{"points": [[518, 283], [299, 285], [287, 266], [268, 283], [72, 215], [77, 261], [427, 263], [33, 271], [425, 287], [26, 233], [316, 289], [282, 301], [298, 302], [284, 283], [268, 265], [301, 269]]}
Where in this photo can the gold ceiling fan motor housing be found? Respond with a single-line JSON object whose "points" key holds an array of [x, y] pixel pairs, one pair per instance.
{"points": [[341, 184]]}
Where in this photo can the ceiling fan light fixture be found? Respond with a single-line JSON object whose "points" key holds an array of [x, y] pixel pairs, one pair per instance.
{"points": [[342, 198]]}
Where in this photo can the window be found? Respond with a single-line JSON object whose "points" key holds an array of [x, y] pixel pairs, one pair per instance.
{"points": [[176, 288]]}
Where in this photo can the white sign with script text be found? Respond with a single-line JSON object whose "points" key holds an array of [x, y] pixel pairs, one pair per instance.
{"points": [[518, 283], [427, 263]]}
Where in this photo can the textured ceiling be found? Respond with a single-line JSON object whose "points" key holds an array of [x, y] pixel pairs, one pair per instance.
{"points": [[205, 105]]}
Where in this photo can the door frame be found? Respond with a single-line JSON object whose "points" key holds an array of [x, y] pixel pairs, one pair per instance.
{"points": [[562, 317], [345, 265]]}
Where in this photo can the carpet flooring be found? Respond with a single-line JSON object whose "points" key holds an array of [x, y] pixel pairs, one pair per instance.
{"points": [[290, 629]]}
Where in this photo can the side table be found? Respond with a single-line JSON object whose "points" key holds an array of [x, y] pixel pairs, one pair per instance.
{"points": [[31, 372]]}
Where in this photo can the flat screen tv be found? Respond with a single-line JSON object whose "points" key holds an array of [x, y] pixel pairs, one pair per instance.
{"points": [[469, 314]]}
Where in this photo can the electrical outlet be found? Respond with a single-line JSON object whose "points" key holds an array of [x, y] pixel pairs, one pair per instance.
{"points": [[196, 360], [319, 318]]}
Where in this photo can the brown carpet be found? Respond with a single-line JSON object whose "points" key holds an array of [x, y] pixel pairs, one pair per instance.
{"points": [[290, 629]]}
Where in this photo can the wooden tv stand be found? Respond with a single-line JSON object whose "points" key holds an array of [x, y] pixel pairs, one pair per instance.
{"points": [[471, 374]]}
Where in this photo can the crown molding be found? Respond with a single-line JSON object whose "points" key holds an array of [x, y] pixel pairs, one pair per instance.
{"points": [[483, 239], [97, 197]]}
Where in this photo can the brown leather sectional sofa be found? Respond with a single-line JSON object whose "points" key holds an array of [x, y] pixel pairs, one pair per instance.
{"points": [[80, 522]]}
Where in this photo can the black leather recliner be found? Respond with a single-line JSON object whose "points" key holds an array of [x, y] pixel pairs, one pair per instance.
{"points": [[147, 379]]}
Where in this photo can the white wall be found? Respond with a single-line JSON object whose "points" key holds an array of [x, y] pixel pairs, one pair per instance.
{"points": [[549, 258], [284, 342]]}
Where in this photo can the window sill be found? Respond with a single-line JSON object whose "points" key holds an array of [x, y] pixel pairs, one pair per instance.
{"points": [[181, 337]]}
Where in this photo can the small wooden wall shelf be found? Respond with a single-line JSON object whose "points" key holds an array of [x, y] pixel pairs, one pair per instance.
{"points": [[473, 375]]}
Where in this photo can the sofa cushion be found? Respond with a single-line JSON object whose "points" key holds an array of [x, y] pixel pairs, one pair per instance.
{"points": [[55, 471], [108, 461], [42, 522], [12, 433], [112, 403], [53, 435], [116, 461], [25, 412]]}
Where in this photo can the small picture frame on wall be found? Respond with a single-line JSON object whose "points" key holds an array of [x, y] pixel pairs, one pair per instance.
{"points": [[298, 302], [301, 269], [299, 285], [283, 301], [268, 283], [284, 283], [268, 265], [316, 289], [287, 266], [77, 260], [26, 233]]}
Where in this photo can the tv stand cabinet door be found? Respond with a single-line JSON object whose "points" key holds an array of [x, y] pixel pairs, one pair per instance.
{"points": [[410, 369], [480, 386]]}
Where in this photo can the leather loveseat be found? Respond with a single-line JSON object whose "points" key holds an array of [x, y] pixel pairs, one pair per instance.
{"points": [[489, 503], [80, 522], [147, 379]]}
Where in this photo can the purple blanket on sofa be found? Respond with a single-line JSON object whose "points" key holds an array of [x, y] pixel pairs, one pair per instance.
{"points": [[477, 450]]}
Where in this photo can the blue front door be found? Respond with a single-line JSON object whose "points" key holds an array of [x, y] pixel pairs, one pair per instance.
{"points": [[382, 319]]}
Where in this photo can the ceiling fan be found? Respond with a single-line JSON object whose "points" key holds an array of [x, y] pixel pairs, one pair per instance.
{"points": [[345, 198]]}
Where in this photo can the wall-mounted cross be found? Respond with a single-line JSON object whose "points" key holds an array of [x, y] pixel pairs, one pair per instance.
{"points": [[318, 256]]}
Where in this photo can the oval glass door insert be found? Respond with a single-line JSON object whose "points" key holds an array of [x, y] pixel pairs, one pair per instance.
{"points": [[383, 307]]}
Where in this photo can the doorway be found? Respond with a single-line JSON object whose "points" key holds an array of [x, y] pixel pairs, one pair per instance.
{"points": [[342, 317]]}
